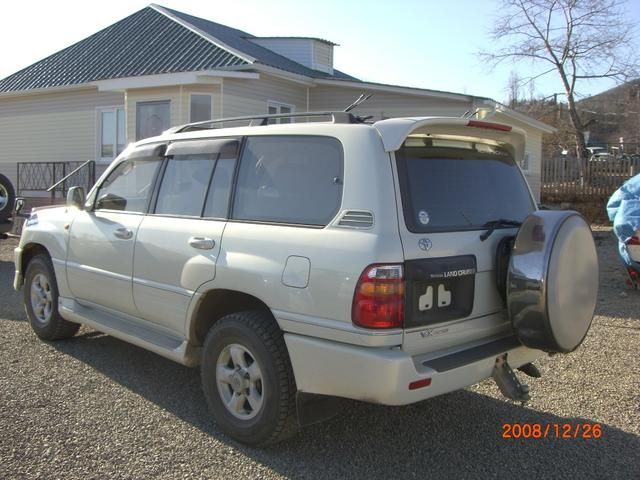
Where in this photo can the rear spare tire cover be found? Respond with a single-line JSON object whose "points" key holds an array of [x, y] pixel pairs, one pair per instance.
{"points": [[552, 282]]}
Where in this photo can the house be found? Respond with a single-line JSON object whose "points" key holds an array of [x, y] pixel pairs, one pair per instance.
{"points": [[158, 67]]}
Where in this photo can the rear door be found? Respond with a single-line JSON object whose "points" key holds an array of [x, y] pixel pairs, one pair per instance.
{"points": [[451, 189], [178, 243]]}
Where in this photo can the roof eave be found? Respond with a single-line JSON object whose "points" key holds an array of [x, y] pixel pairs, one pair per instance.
{"points": [[396, 89], [46, 90], [171, 79], [278, 72]]}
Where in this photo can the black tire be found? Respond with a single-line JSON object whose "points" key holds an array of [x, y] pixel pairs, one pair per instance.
{"points": [[257, 333], [48, 324], [7, 197]]}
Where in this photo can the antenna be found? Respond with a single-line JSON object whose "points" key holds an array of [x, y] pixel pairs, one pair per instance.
{"points": [[362, 98]]}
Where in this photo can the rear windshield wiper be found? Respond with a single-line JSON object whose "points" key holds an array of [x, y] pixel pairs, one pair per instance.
{"points": [[499, 223]]}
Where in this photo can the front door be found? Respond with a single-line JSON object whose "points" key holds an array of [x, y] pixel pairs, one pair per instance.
{"points": [[102, 238]]}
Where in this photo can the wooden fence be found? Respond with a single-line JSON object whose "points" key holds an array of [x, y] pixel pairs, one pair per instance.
{"points": [[561, 176]]}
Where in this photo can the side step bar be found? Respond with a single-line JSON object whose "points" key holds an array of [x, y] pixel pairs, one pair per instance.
{"points": [[176, 349]]}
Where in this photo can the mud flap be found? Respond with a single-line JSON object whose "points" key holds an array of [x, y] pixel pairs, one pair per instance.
{"points": [[314, 409], [508, 382]]}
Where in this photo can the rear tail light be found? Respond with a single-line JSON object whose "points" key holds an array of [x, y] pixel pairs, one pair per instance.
{"points": [[489, 125], [633, 241], [378, 301]]}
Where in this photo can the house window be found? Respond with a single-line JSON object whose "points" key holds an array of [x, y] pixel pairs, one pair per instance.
{"points": [[152, 118], [274, 108], [111, 132], [200, 107]]}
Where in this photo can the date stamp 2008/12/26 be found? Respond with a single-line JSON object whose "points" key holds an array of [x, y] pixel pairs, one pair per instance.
{"points": [[567, 431]]}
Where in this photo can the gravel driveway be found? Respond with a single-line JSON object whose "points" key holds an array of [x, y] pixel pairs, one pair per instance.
{"points": [[96, 407]]}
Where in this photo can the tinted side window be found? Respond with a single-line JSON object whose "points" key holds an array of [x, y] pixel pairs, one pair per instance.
{"points": [[289, 179], [184, 185], [129, 186]]}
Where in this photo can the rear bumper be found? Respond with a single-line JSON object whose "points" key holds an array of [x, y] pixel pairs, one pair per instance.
{"points": [[383, 375]]}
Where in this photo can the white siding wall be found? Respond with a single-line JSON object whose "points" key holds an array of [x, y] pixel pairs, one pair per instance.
{"points": [[55, 127], [534, 170], [322, 57], [297, 49], [249, 97], [533, 147], [385, 105]]}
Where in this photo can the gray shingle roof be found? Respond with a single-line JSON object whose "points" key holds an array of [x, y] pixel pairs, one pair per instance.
{"points": [[239, 40], [147, 43]]}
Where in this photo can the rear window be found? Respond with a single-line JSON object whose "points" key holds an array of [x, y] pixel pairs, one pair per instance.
{"points": [[447, 188]]}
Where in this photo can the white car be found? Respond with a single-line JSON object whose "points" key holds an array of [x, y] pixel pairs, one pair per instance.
{"points": [[317, 259]]}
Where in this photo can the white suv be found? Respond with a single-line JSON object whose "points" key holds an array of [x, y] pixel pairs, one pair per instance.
{"points": [[386, 262]]}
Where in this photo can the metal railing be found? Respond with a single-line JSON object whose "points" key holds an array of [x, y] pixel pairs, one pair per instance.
{"points": [[42, 176]]}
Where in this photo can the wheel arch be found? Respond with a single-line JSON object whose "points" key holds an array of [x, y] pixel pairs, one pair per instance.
{"points": [[215, 304], [29, 251]]}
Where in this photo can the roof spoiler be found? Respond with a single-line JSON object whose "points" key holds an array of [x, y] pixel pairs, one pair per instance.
{"points": [[394, 131]]}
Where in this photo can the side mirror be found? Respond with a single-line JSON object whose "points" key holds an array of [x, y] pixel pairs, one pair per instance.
{"points": [[18, 206], [75, 197]]}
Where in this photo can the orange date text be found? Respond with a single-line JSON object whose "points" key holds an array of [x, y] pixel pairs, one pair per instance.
{"points": [[565, 431]]}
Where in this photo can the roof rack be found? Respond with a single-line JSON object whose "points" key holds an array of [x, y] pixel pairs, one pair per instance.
{"points": [[261, 120]]}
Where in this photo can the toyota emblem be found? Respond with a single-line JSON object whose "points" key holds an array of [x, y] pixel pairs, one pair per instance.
{"points": [[425, 244]]}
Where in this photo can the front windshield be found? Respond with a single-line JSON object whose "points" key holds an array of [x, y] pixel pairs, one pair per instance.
{"points": [[448, 188]]}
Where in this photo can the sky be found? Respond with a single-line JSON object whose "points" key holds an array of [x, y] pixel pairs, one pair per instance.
{"points": [[430, 44]]}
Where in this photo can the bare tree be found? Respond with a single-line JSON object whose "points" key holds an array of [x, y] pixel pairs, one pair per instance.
{"points": [[513, 89], [575, 39]]}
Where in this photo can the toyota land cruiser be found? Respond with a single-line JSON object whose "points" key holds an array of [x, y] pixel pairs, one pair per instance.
{"points": [[387, 262]]}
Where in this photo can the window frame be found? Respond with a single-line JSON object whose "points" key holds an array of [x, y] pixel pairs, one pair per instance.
{"points": [[151, 210], [278, 106], [234, 185], [207, 94], [99, 111], [150, 102]]}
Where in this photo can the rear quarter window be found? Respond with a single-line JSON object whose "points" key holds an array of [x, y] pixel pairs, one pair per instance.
{"points": [[289, 179], [448, 189]]}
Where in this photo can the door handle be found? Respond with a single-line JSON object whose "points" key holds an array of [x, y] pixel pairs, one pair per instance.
{"points": [[202, 243], [123, 233]]}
